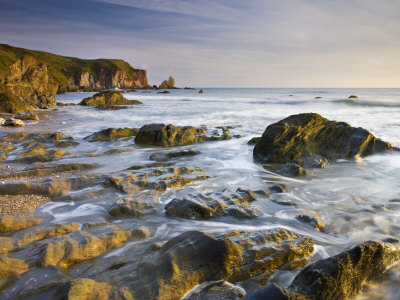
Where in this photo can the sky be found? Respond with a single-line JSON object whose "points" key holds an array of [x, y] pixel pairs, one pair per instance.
{"points": [[221, 43]]}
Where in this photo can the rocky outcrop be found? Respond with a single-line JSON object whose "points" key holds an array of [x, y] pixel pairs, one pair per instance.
{"points": [[344, 275], [304, 136], [108, 98], [168, 84], [170, 135], [27, 86]]}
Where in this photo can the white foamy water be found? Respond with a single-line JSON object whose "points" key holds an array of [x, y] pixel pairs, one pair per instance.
{"points": [[357, 200]]}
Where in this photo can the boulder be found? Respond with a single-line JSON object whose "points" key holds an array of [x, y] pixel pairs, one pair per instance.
{"points": [[111, 134], [2, 121], [302, 135], [168, 84], [108, 98], [14, 122], [27, 86], [27, 116], [353, 97], [201, 91], [344, 275]]}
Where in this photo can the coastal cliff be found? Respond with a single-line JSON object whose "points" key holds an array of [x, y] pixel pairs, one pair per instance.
{"points": [[69, 73]]}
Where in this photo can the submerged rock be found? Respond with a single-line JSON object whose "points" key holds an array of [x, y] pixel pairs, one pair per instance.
{"points": [[111, 134], [194, 257], [108, 98], [162, 157], [300, 135], [293, 169], [314, 222], [344, 275], [274, 292], [195, 205]]}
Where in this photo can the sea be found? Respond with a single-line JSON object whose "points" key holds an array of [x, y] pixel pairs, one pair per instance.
{"points": [[357, 199]]}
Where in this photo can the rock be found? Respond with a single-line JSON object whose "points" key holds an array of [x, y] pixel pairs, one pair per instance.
{"points": [[111, 134], [170, 84], [27, 116], [155, 179], [353, 97], [318, 97], [218, 291], [195, 205], [162, 157], [314, 222], [14, 122], [86, 289], [27, 86], [194, 257], [10, 270], [344, 275], [164, 92], [138, 206], [171, 136], [9, 223], [108, 98], [188, 88], [300, 135], [274, 292], [2, 121], [293, 169], [278, 188], [254, 140], [201, 91]]}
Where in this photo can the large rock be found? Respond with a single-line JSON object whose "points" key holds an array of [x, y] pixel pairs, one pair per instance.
{"points": [[27, 86], [300, 136], [344, 275], [168, 84], [110, 134], [195, 257], [108, 98]]}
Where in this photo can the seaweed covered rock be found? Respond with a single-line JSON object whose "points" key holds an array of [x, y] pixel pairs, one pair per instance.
{"points": [[302, 135], [344, 275], [111, 134], [27, 86], [194, 257], [108, 98], [170, 135]]}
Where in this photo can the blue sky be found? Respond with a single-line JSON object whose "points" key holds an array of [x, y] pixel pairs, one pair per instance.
{"points": [[204, 43]]}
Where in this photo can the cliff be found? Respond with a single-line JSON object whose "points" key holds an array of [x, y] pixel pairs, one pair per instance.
{"points": [[73, 74]]}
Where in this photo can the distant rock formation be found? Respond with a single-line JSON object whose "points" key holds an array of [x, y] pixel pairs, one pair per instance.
{"points": [[108, 98], [170, 84], [27, 86]]}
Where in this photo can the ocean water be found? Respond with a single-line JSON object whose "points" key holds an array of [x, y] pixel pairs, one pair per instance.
{"points": [[358, 200]]}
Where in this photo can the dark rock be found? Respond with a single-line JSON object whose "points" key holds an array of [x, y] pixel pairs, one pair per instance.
{"points": [[274, 292], [293, 169], [278, 188], [162, 157], [254, 140], [194, 257], [188, 88], [164, 92], [318, 97], [170, 84], [111, 134], [27, 116], [27, 86], [195, 205], [344, 275], [314, 222], [300, 135], [201, 91], [353, 97], [218, 291], [108, 98], [141, 205]]}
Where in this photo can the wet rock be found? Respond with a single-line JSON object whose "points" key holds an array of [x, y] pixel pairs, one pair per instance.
{"points": [[111, 134], [2, 121], [85, 289], [14, 122], [314, 222], [353, 97], [218, 291], [6, 244], [109, 152], [318, 97], [27, 86], [9, 223], [201, 91], [274, 292], [108, 98], [344, 275], [10, 270], [293, 169], [138, 206], [300, 135], [7, 147], [162, 157], [195, 205], [278, 188], [254, 140], [194, 257], [156, 179], [188, 88], [112, 107], [170, 135], [27, 116], [164, 92]]}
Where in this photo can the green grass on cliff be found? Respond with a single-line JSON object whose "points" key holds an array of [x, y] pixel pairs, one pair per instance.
{"points": [[61, 67]]}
